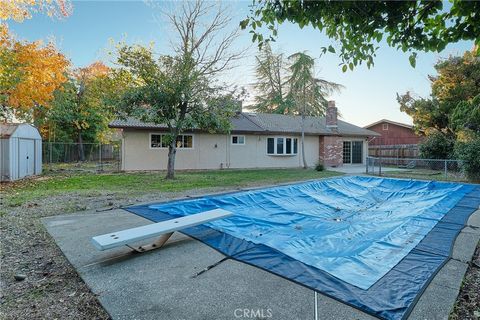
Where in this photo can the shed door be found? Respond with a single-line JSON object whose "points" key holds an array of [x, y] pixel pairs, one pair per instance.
{"points": [[26, 157]]}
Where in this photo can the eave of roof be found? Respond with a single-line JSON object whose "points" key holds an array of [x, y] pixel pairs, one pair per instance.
{"points": [[391, 122]]}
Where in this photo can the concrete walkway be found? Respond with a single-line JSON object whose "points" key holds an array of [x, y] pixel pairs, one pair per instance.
{"points": [[361, 169], [163, 284]]}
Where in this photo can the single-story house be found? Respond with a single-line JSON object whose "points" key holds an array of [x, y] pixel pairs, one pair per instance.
{"points": [[256, 140]]}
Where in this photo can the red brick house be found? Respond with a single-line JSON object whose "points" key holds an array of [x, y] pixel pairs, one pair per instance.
{"points": [[393, 133]]}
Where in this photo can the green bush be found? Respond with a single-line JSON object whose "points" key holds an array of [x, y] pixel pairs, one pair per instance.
{"points": [[469, 153], [319, 167], [437, 146]]}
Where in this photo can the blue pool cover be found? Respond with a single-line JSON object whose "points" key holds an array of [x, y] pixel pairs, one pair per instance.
{"points": [[372, 243]]}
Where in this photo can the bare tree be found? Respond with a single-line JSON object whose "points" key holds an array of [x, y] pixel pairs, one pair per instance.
{"points": [[181, 90]]}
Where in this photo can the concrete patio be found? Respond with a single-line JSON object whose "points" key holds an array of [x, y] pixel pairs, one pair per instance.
{"points": [[165, 284]]}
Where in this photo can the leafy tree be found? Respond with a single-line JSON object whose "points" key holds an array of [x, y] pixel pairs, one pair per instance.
{"points": [[437, 145], [466, 116], [10, 74], [82, 108], [291, 90], [29, 72], [427, 114], [33, 71], [458, 81], [20, 10], [469, 152], [271, 86], [359, 26], [181, 91], [307, 92]]}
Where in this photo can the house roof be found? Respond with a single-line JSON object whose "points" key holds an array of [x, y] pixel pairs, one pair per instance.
{"points": [[265, 123], [391, 122], [7, 129], [313, 125]]}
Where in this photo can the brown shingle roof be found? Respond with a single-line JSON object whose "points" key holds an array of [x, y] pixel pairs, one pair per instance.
{"points": [[265, 123]]}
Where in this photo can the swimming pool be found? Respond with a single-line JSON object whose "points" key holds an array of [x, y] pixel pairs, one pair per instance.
{"points": [[343, 236]]}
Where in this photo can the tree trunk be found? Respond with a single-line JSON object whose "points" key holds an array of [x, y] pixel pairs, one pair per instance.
{"points": [[81, 151], [303, 143], [172, 150]]}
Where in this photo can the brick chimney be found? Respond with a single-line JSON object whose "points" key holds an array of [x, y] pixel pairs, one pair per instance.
{"points": [[331, 116]]}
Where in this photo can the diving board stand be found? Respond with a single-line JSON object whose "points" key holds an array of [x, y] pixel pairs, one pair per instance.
{"points": [[163, 230]]}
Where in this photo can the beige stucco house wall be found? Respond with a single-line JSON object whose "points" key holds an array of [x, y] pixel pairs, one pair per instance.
{"points": [[212, 151]]}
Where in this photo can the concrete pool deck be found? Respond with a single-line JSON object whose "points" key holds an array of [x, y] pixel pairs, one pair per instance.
{"points": [[164, 284]]}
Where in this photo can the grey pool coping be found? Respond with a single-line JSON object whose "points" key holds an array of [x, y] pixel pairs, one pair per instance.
{"points": [[161, 284]]}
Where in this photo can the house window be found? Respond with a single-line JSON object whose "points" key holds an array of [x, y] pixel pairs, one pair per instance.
{"points": [[385, 126], [288, 145], [271, 146], [238, 140], [282, 146], [279, 145], [184, 141], [156, 141]]}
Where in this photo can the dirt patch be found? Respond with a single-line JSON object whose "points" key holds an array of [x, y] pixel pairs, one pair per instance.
{"points": [[467, 306], [52, 288]]}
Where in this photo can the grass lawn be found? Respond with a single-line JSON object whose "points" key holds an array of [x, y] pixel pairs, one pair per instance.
{"points": [[426, 174], [21, 192]]}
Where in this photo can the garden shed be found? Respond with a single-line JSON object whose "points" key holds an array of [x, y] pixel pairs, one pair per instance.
{"points": [[20, 151]]}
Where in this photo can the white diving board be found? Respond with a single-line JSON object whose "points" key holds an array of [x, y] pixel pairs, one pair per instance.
{"points": [[164, 229]]}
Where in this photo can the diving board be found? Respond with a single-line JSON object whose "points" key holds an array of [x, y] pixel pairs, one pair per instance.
{"points": [[163, 229]]}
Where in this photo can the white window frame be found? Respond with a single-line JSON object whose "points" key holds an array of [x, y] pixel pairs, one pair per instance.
{"points": [[351, 141], [164, 134], [275, 144], [385, 127], [238, 136]]}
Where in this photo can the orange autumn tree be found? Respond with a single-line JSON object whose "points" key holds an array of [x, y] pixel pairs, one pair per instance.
{"points": [[20, 10], [83, 107], [31, 72]]}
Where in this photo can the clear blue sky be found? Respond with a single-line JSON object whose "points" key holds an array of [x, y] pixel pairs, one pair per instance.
{"points": [[370, 94]]}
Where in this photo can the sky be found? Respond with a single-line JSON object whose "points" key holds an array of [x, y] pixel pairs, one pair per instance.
{"points": [[369, 94]]}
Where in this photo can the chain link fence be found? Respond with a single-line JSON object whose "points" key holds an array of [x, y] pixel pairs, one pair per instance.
{"points": [[428, 169], [92, 157]]}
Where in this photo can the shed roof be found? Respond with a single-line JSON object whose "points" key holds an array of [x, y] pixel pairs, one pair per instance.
{"points": [[264, 123], [7, 129]]}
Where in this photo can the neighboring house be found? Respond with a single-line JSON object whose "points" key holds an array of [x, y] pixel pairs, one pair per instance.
{"points": [[255, 141], [396, 140], [393, 133]]}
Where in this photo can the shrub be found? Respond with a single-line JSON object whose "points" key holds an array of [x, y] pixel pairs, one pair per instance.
{"points": [[437, 146], [319, 167], [469, 153]]}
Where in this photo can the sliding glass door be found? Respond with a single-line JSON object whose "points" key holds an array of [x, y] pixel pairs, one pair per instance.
{"points": [[352, 151]]}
